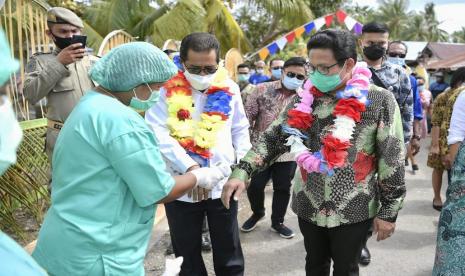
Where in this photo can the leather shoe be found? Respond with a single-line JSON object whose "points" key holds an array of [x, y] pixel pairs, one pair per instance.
{"points": [[365, 256]]}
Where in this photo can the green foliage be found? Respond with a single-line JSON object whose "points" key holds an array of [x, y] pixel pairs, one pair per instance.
{"points": [[459, 36]]}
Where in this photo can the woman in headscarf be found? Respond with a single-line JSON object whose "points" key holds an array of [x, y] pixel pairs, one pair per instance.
{"points": [[108, 173]]}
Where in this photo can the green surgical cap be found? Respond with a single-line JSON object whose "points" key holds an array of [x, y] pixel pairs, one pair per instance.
{"points": [[9, 65], [132, 64]]}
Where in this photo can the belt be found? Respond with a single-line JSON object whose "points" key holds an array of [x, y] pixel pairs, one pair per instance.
{"points": [[54, 124]]}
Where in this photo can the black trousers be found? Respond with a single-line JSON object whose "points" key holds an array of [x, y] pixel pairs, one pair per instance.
{"points": [[281, 173], [341, 244], [185, 221]]}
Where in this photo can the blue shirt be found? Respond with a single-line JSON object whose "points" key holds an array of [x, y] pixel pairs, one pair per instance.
{"points": [[437, 88], [257, 78], [417, 108], [108, 173]]}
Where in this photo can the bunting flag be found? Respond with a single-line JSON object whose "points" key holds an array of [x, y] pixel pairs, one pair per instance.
{"points": [[290, 37], [299, 31], [328, 20], [350, 23], [263, 53], [317, 24], [309, 27], [273, 48], [341, 16], [281, 43], [358, 28]]}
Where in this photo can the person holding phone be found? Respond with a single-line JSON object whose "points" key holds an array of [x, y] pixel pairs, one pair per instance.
{"points": [[60, 76]]}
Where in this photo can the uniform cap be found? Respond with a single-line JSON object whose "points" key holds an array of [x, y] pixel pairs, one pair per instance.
{"points": [[9, 64], [59, 15], [132, 64]]}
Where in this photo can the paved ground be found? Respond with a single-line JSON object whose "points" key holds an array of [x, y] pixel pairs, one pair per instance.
{"points": [[410, 251]]}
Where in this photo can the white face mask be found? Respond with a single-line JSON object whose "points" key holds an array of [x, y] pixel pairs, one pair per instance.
{"points": [[10, 135], [199, 82]]}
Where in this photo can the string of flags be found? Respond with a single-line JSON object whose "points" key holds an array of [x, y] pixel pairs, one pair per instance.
{"points": [[315, 25]]}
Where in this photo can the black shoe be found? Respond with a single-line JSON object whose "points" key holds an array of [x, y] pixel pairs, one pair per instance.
{"points": [[365, 256], [406, 162], [206, 243], [251, 223], [283, 231], [414, 167]]}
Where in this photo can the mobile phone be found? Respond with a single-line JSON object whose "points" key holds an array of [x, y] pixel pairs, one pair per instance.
{"points": [[79, 39]]}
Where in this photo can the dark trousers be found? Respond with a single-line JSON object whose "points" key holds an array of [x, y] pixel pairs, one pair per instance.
{"points": [[185, 221], [341, 244], [281, 173]]}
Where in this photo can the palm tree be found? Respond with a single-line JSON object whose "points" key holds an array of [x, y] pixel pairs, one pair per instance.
{"points": [[167, 20], [459, 36], [394, 14], [425, 27]]}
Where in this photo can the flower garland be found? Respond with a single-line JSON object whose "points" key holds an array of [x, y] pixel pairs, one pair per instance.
{"points": [[197, 138], [333, 153]]}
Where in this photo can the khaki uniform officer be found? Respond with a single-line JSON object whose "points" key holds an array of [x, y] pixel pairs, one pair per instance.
{"points": [[62, 75]]}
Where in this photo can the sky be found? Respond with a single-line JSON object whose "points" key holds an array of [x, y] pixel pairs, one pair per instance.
{"points": [[450, 12]]}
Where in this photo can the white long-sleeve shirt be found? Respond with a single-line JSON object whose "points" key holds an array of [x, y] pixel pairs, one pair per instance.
{"points": [[232, 144], [457, 122]]}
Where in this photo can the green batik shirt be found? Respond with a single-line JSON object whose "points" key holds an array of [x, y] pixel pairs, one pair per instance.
{"points": [[370, 184]]}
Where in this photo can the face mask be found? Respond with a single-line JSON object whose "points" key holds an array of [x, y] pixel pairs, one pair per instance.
{"points": [[10, 135], [292, 83], [199, 82], [62, 42], [243, 77], [147, 104], [276, 73], [396, 60], [325, 83], [421, 87], [374, 52], [260, 71]]}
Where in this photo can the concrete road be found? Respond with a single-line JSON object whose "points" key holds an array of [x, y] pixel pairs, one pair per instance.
{"points": [[410, 251]]}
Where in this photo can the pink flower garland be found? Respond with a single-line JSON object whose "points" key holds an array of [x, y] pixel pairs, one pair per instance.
{"points": [[342, 130]]}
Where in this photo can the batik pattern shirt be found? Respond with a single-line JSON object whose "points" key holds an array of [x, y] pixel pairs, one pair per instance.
{"points": [[372, 182], [263, 106], [442, 113], [396, 80]]}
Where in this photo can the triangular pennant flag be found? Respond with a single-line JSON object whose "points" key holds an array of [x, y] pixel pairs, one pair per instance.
{"points": [[281, 42], [319, 22], [273, 48], [309, 27], [299, 31], [290, 37], [341, 16], [263, 53], [358, 28], [329, 20], [350, 22]]}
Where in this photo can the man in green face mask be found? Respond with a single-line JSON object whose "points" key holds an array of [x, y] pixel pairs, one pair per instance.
{"points": [[335, 209]]}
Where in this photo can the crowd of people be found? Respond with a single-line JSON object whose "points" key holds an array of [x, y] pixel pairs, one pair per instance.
{"points": [[335, 129]]}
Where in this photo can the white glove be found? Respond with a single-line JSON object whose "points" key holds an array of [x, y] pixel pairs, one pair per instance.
{"points": [[208, 178], [173, 266]]}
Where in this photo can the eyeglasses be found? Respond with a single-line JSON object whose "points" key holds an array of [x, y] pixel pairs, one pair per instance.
{"points": [[294, 75], [277, 68], [396, 55], [320, 68], [199, 69], [243, 73]]}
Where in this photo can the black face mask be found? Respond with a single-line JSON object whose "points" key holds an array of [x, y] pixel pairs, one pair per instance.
{"points": [[62, 42], [374, 52]]}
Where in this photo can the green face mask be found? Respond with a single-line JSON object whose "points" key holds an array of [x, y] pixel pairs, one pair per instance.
{"points": [[325, 83], [139, 104]]}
